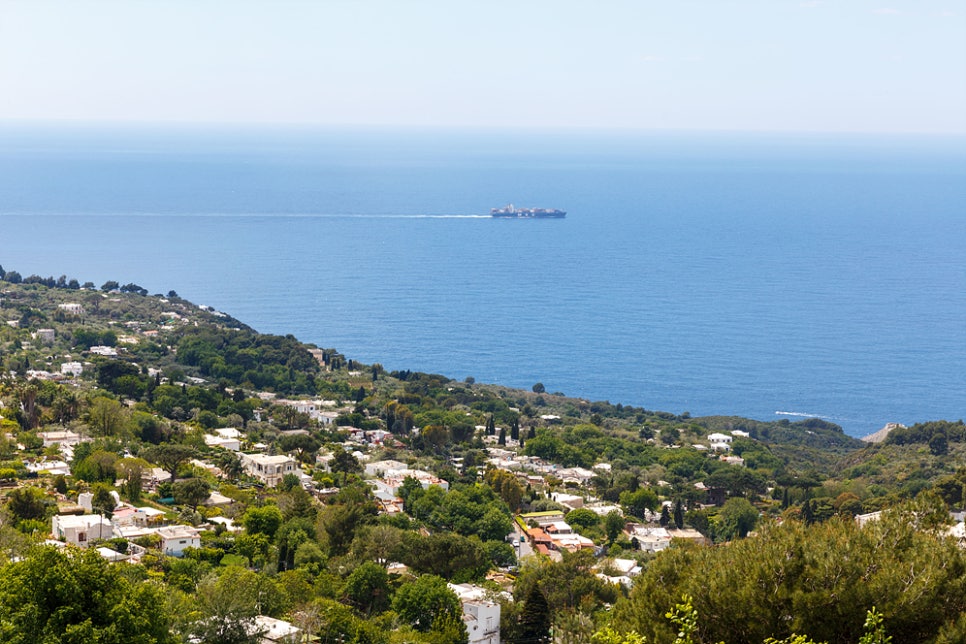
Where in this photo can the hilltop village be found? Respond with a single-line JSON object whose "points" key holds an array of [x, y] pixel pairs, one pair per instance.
{"points": [[201, 482]]}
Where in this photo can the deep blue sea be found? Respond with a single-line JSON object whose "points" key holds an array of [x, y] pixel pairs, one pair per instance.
{"points": [[746, 274]]}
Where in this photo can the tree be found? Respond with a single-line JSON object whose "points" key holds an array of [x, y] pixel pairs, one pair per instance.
{"points": [[583, 518], [819, 579], [538, 388], [340, 521], [613, 525], [230, 464], [191, 492], [228, 610], [635, 503], [303, 445], [426, 602], [170, 456], [678, 514], [367, 587], [110, 285], [665, 516], [736, 519], [97, 466], [103, 502], [506, 485], [131, 470], [346, 463], [264, 520], [72, 596], [445, 554], [535, 617], [938, 444], [26, 503]]}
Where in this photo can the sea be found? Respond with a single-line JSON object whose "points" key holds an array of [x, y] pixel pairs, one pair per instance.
{"points": [[762, 275]]}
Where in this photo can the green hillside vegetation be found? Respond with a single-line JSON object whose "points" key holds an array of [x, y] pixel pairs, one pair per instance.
{"points": [[320, 556]]}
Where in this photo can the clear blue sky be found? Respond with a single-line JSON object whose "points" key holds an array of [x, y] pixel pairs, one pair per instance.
{"points": [[788, 65]]}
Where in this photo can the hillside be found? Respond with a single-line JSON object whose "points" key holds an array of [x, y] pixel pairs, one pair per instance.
{"points": [[168, 402]]}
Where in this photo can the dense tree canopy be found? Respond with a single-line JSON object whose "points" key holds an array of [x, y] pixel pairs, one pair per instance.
{"points": [[819, 580], [68, 596]]}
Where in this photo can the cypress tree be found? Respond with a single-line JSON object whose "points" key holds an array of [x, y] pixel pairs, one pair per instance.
{"points": [[678, 514], [535, 617]]}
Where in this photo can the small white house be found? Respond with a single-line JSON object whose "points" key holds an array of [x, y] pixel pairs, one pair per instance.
{"points": [[81, 530], [71, 308], [175, 538], [720, 441], [213, 440], [65, 437], [72, 369]]}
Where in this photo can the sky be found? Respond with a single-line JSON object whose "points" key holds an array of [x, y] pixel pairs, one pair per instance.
{"points": [[756, 65]]}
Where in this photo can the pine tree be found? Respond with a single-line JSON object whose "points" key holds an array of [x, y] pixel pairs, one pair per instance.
{"points": [[535, 618], [808, 513]]}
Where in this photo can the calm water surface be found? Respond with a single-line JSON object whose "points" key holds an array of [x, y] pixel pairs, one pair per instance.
{"points": [[716, 274]]}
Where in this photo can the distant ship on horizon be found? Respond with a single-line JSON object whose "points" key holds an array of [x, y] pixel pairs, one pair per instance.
{"points": [[511, 212]]}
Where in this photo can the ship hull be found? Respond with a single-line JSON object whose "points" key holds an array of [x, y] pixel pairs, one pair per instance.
{"points": [[511, 212]]}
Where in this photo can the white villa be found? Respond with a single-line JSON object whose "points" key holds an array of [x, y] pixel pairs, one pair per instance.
{"points": [[481, 616], [269, 469], [81, 530]]}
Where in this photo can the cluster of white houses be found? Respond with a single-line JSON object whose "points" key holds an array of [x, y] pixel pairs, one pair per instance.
{"points": [[82, 530]]}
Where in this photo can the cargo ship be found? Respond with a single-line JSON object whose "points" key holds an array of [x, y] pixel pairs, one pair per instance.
{"points": [[512, 212]]}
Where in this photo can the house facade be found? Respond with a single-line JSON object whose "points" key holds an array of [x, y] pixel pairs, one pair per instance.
{"points": [[81, 530], [269, 469]]}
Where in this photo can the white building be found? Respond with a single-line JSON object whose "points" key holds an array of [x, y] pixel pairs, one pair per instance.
{"points": [[720, 441], [175, 538], [649, 539], [213, 440], [269, 469], [394, 479], [81, 530], [384, 468], [481, 616], [72, 369], [71, 308], [86, 499], [571, 501]]}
